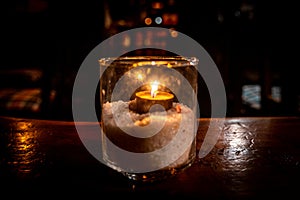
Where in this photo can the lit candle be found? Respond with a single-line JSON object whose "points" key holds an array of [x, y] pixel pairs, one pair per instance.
{"points": [[146, 99]]}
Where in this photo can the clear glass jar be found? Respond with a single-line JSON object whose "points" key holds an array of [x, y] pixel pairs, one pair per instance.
{"points": [[148, 114]]}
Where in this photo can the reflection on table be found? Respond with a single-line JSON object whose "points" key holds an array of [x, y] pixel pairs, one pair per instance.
{"points": [[254, 157]]}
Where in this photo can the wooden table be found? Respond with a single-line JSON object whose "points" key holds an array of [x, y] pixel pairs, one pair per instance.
{"points": [[253, 158]]}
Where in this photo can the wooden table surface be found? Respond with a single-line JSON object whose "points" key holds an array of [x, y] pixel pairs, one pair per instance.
{"points": [[254, 157]]}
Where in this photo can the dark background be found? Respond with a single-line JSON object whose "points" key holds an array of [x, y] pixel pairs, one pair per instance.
{"points": [[252, 43]]}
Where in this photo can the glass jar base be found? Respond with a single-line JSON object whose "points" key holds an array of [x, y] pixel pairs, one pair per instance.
{"points": [[158, 175]]}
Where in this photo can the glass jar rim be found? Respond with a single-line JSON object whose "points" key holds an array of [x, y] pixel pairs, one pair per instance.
{"points": [[173, 61]]}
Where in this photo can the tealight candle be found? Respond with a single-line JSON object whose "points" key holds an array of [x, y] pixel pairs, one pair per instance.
{"points": [[146, 99]]}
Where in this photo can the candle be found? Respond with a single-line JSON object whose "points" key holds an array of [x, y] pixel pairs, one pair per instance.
{"points": [[146, 99]]}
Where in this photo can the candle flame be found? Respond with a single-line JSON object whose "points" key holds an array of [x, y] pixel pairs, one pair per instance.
{"points": [[154, 88]]}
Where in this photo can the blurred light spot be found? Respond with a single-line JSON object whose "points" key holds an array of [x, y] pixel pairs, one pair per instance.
{"points": [[140, 77], [157, 5], [143, 15], [237, 13], [158, 20], [173, 33], [126, 41], [170, 18], [122, 23], [245, 7], [139, 39], [276, 93], [220, 17], [148, 21], [251, 96]]}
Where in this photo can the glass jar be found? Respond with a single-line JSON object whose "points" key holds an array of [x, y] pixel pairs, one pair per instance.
{"points": [[148, 114]]}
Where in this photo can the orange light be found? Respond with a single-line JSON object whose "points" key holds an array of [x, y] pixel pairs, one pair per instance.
{"points": [[170, 18], [157, 5], [173, 33], [148, 21]]}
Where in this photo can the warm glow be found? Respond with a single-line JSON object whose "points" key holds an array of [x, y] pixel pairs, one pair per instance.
{"points": [[157, 5], [148, 21], [23, 125], [126, 41], [140, 77], [173, 33], [170, 18], [154, 88]]}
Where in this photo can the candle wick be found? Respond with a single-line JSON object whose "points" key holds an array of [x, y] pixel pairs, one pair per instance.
{"points": [[153, 94]]}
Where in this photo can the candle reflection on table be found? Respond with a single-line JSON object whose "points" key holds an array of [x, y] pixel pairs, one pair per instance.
{"points": [[21, 151]]}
